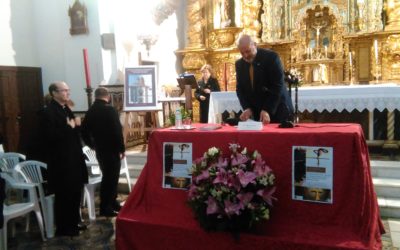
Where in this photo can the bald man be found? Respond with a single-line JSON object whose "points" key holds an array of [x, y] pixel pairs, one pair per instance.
{"points": [[102, 131], [260, 84], [66, 166]]}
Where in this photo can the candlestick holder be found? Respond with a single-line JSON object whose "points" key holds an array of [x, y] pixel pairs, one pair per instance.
{"points": [[377, 73], [351, 75], [89, 91]]}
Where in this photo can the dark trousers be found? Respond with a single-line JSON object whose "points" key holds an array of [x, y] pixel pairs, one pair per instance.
{"points": [[67, 207], [110, 165]]}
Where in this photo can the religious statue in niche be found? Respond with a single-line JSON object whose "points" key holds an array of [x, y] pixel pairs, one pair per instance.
{"points": [[392, 11], [226, 13], [78, 16]]}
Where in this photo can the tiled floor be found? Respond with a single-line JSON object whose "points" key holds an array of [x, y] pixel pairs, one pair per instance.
{"points": [[100, 235]]}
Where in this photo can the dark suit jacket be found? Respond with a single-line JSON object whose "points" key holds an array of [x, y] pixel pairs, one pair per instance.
{"points": [[269, 92], [64, 157], [213, 85], [102, 130]]}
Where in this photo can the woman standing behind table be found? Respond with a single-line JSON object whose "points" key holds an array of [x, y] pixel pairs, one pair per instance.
{"points": [[206, 85]]}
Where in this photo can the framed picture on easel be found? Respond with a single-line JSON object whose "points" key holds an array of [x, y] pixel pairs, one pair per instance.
{"points": [[141, 88]]}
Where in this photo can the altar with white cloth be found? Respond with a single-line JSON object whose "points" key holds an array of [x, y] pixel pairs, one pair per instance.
{"points": [[329, 98]]}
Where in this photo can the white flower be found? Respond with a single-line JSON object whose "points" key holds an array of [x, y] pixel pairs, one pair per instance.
{"points": [[244, 151], [212, 151], [271, 179], [234, 147]]}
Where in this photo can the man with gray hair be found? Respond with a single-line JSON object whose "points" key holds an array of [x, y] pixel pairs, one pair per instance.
{"points": [[102, 131], [260, 84]]}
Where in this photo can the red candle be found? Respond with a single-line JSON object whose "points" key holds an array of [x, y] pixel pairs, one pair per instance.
{"points": [[86, 64]]}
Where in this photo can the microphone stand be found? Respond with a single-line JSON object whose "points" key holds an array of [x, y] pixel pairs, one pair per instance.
{"points": [[293, 80]]}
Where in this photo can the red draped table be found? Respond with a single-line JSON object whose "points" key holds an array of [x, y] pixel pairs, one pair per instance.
{"points": [[158, 218]]}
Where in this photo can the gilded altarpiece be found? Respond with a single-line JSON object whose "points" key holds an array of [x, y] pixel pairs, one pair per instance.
{"points": [[336, 42]]}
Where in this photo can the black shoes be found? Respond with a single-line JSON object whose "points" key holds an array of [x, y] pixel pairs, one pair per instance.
{"points": [[117, 207], [109, 213], [82, 226]]}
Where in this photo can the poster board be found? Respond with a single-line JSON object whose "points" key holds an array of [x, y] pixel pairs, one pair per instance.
{"points": [[177, 163], [140, 90], [312, 174]]}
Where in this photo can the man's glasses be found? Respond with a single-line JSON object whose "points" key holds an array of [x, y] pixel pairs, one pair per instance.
{"points": [[63, 90]]}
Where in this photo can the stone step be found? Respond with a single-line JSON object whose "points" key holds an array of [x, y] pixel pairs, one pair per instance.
{"points": [[135, 169], [123, 185], [136, 162], [389, 207], [385, 169], [136, 158], [387, 187]]}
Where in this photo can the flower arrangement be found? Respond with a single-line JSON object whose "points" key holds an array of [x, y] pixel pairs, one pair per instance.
{"points": [[293, 77], [231, 194]]}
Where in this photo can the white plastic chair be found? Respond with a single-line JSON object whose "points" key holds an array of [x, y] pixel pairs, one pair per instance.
{"points": [[92, 161], [88, 195], [94, 181], [89, 189], [9, 160], [31, 172], [19, 209]]}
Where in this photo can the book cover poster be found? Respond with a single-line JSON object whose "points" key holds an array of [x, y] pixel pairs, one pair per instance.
{"points": [[177, 164], [312, 174]]}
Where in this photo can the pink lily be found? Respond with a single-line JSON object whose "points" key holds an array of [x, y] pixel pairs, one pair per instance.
{"points": [[244, 199], [212, 206], [261, 169], [203, 176], [221, 177], [238, 159], [234, 182], [246, 177], [222, 162], [266, 194], [231, 208]]}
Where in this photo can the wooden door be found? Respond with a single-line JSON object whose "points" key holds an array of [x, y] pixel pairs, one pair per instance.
{"points": [[9, 110], [21, 96]]}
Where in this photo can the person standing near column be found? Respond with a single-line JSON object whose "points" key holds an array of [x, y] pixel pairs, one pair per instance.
{"points": [[102, 131], [66, 168], [206, 85], [260, 85]]}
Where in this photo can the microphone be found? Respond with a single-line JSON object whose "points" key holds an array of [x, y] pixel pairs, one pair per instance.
{"points": [[287, 123]]}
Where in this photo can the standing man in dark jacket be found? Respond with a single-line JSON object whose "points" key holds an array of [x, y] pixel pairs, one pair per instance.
{"points": [[102, 130], [66, 166], [260, 84]]}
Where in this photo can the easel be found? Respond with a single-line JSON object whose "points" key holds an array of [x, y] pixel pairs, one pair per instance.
{"points": [[138, 125]]}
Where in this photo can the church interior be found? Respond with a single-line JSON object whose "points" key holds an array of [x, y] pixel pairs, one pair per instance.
{"points": [[345, 54]]}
